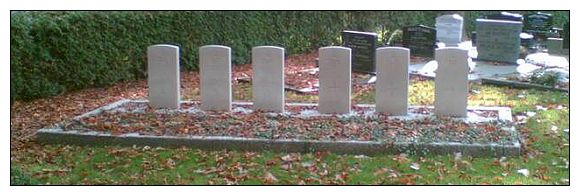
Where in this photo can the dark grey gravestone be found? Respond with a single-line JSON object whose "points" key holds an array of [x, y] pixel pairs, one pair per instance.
{"points": [[498, 40], [566, 36], [473, 38], [363, 46], [420, 40], [506, 16], [538, 22], [540, 25]]}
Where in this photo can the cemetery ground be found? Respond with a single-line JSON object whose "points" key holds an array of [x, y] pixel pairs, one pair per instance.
{"points": [[542, 119]]}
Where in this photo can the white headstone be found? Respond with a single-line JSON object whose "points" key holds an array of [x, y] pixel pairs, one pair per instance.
{"points": [[163, 76], [451, 84], [498, 40], [449, 29], [268, 78], [335, 87], [392, 80], [215, 70]]}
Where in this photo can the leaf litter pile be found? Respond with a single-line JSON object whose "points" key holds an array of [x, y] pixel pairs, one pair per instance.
{"points": [[301, 74], [298, 122]]}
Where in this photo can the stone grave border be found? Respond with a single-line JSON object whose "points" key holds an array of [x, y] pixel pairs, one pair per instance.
{"points": [[57, 135]]}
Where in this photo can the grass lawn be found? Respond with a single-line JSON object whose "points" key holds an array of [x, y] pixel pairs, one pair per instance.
{"points": [[545, 159]]}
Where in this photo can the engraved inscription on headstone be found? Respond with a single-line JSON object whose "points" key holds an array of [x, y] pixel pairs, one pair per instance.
{"points": [[215, 71], [498, 40], [420, 40], [163, 76], [268, 78], [449, 29], [363, 46], [335, 80], [451, 84]]}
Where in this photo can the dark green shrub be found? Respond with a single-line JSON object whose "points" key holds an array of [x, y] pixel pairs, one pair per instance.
{"points": [[545, 78]]}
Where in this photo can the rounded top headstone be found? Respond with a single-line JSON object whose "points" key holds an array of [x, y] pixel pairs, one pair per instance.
{"points": [[163, 46], [214, 46], [268, 47]]}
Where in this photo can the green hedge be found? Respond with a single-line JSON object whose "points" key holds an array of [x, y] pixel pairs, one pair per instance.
{"points": [[54, 52]]}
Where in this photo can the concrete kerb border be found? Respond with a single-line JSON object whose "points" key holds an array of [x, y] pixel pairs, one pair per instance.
{"points": [[57, 135]]}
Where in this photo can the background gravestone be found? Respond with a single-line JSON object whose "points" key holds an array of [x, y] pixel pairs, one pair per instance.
{"points": [[473, 38], [215, 70], [449, 29], [163, 76], [268, 78], [540, 25], [554, 45], [335, 80], [392, 80], [498, 40], [538, 22], [451, 84], [505, 16], [363, 46], [420, 40], [566, 36]]}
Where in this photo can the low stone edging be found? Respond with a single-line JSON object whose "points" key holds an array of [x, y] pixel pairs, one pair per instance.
{"points": [[76, 137]]}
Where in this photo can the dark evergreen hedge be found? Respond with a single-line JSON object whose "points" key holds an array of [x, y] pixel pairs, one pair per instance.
{"points": [[53, 52]]}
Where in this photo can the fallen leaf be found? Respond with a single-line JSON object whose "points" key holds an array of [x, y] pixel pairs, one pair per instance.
{"points": [[269, 178], [457, 156], [286, 166], [361, 156], [341, 177], [524, 172], [415, 166], [170, 163], [306, 164]]}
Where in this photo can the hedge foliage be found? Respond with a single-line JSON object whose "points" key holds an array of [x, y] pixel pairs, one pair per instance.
{"points": [[54, 52]]}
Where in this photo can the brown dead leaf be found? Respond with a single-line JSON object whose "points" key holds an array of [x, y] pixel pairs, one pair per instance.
{"points": [[269, 178]]}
